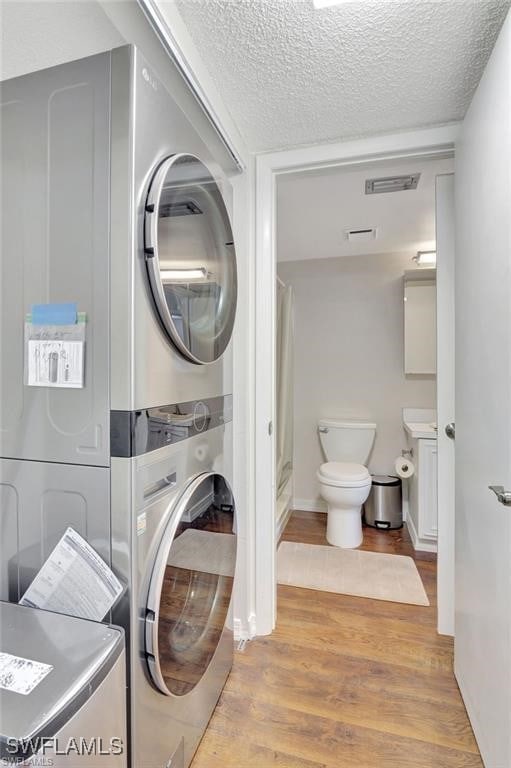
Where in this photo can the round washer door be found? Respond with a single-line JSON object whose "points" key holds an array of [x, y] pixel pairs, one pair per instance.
{"points": [[190, 257], [191, 585]]}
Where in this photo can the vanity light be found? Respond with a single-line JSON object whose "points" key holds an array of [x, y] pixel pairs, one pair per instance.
{"points": [[425, 258], [183, 274]]}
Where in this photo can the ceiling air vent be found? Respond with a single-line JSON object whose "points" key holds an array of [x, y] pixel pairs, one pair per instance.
{"points": [[179, 208], [360, 235], [392, 183]]}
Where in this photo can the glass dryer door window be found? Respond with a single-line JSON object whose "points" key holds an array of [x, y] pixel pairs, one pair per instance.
{"points": [[190, 258]]}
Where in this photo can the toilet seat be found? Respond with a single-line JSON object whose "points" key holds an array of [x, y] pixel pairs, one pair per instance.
{"points": [[344, 474]]}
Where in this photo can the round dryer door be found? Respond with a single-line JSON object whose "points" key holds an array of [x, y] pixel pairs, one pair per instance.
{"points": [[191, 585], [190, 258]]}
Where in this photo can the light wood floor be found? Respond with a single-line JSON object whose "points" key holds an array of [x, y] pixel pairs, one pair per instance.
{"points": [[343, 682]]}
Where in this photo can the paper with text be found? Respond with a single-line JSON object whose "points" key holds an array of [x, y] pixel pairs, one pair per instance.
{"points": [[53, 363], [74, 580], [21, 675]]}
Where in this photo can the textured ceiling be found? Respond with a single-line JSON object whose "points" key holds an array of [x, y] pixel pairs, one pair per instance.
{"points": [[293, 75], [315, 209]]}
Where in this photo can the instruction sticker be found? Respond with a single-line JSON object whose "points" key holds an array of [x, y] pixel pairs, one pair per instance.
{"points": [[55, 363], [55, 346], [21, 675]]}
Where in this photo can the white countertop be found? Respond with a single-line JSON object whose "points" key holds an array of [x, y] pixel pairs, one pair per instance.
{"points": [[421, 429]]}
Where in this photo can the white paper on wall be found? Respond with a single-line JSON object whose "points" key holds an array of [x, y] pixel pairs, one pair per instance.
{"points": [[74, 580]]}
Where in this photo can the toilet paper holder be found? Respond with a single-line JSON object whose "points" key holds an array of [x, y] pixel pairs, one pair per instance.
{"points": [[407, 454]]}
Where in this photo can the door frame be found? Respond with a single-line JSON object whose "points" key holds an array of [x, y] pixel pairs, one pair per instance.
{"points": [[446, 407], [435, 143]]}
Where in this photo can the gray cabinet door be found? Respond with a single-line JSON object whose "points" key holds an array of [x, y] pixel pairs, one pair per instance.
{"points": [[54, 143], [38, 501]]}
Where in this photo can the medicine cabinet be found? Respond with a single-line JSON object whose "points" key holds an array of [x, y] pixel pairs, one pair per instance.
{"points": [[420, 322]]}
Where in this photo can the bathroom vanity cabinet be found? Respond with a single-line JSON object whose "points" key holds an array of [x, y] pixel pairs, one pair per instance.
{"points": [[420, 322], [422, 495]]}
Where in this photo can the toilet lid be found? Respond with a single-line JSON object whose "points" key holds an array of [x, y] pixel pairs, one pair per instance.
{"points": [[340, 470]]}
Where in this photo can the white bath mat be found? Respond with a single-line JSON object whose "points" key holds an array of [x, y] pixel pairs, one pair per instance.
{"points": [[350, 572], [204, 551]]}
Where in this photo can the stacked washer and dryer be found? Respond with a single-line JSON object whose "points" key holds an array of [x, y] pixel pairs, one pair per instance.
{"points": [[112, 200]]}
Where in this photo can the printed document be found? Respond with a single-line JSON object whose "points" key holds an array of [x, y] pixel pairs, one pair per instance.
{"points": [[74, 580]]}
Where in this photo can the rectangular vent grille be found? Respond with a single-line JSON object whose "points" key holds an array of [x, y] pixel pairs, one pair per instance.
{"points": [[359, 235], [392, 184], [181, 208]]}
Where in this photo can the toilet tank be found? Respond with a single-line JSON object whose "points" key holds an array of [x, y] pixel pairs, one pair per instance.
{"points": [[343, 440]]}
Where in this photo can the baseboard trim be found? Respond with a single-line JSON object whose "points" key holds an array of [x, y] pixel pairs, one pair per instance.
{"points": [[245, 630], [283, 521], [284, 507], [473, 717], [309, 505], [406, 510], [419, 544], [238, 630]]}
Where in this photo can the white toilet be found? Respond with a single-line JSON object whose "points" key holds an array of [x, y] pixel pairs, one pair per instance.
{"points": [[344, 481]]}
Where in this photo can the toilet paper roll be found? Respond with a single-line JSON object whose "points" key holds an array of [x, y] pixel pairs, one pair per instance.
{"points": [[404, 467]]}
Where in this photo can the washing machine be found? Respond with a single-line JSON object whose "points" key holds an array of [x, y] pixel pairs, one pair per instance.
{"points": [[62, 697], [174, 546]]}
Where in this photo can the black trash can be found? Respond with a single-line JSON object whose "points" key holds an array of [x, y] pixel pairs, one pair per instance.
{"points": [[383, 508]]}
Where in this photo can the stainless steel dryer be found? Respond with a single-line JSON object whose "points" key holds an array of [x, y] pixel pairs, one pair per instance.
{"points": [[174, 543], [173, 260]]}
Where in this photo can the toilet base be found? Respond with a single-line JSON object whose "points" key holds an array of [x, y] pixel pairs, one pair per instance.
{"points": [[344, 527]]}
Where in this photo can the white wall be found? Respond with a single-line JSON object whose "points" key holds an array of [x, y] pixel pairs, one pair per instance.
{"points": [[349, 357], [36, 35]]}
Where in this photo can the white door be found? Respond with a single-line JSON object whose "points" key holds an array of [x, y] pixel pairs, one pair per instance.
{"points": [[445, 248], [483, 408]]}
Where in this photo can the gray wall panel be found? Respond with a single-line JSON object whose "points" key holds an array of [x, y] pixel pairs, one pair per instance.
{"points": [[55, 248], [38, 501]]}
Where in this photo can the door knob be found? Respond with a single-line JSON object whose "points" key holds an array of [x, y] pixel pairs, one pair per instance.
{"points": [[450, 430], [502, 495]]}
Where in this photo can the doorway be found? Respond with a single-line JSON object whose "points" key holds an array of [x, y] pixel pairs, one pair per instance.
{"points": [[356, 249], [434, 144]]}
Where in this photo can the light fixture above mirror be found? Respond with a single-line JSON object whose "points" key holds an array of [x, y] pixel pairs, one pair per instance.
{"points": [[425, 258], [170, 275]]}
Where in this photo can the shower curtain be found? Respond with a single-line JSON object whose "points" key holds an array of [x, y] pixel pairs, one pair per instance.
{"points": [[284, 446]]}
